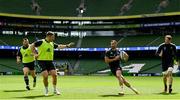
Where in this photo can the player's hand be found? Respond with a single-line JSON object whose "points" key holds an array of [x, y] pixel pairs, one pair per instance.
{"points": [[18, 61], [116, 58], [70, 44], [36, 56]]}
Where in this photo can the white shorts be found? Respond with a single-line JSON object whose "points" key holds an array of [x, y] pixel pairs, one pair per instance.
{"points": [[170, 69]]}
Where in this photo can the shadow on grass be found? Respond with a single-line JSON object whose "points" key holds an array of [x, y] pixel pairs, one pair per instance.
{"points": [[15, 90], [112, 95], [33, 97], [162, 93]]}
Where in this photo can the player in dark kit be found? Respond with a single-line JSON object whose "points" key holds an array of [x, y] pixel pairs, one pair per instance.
{"points": [[25, 53], [112, 57], [167, 52]]}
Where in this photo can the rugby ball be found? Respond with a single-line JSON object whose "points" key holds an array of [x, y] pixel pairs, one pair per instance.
{"points": [[124, 56]]}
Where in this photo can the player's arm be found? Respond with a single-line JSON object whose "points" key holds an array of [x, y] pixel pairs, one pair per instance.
{"points": [[62, 46], [33, 47], [18, 57], [175, 53], [159, 51], [107, 60]]}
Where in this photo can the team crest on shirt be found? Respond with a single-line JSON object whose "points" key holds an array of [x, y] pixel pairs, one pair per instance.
{"points": [[164, 48], [112, 54], [25, 55], [48, 50], [171, 48]]}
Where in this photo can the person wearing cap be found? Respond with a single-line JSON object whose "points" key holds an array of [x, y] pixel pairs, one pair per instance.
{"points": [[167, 52], [45, 57]]}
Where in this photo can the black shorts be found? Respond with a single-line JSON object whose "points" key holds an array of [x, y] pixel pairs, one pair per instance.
{"points": [[30, 65], [46, 65], [166, 66], [114, 69]]}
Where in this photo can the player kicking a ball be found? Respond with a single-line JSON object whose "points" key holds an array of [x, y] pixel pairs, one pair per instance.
{"points": [[25, 53], [167, 52], [45, 57], [112, 57]]}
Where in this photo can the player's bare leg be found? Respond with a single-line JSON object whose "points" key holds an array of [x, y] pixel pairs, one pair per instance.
{"points": [[26, 79], [118, 76], [170, 81], [33, 74], [129, 86], [45, 81], [54, 81], [165, 82]]}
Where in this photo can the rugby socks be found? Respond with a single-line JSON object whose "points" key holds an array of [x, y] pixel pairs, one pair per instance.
{"points": [[121, 89], [46, 91], [54, 86], [165, 87], [56, 91], [34, 79], [170, 88], [26, 79], [34, 82]]}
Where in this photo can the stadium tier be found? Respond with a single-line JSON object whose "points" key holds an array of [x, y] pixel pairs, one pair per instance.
{"points": [[17, 39], [9, 65], [96, 41], [93, 7], [90, 66]]}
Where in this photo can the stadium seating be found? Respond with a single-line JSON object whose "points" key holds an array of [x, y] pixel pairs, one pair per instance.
{"points": [[96, 41], [88, 66], [151, 65], [17, 40], [143, 40], [94, 7], [9, 65]]}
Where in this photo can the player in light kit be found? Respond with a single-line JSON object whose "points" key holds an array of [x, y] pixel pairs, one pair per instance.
{"points": [[112, 57], [45, 57], [25, 53], [167, 52]]}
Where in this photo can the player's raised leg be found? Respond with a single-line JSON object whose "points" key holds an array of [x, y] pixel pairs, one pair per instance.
{"points": [[128, 85]]}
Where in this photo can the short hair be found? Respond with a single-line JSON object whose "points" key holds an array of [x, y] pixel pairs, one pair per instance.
{"points": [[169, 37], [49, 33], [25, 39], [114, 41]]}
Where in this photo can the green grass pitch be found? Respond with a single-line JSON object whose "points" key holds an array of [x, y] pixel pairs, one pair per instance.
{"points": [[87, 87]]}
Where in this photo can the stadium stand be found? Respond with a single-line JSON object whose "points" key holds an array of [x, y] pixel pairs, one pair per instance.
{"points": [[96, 41], [88, 66], [9, 65], [17, 39], [93, 7]]}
